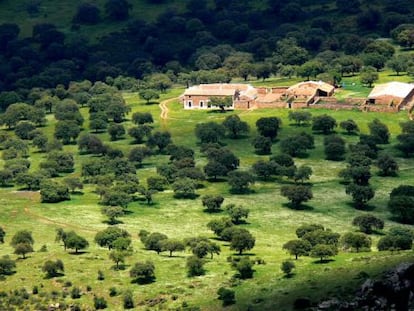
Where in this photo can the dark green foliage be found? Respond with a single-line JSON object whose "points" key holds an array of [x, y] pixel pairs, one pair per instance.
{"points": [[244, 268], [75, 293], [361, 194], [349, 126], [107, 237], [63, 161], [147, 95], [240, 181], [89, 143], [195, 266], [2, 235], [219, 225], [320, 236], [262, 144], [296, 145], [367, 223], [268, 127], [23, 249], [334, 148], [406, 138], [287, 267], [115, 197], [324, 124], [302, 173], [263, 169], [212, 203], [235, 127], [298, 247], [209, 132], [184, 188], [397, 238], [23, 129], [75, 241], [160, 140], [73, 183], [53, 192], [379, 131], [300, 117], [99, 303], [53, 268], [402, 208], [242, 240], [297, 194], [172, 245], [387, 164], [128, 300], [226, 295], [304, 229], [143, 272], [323, 251], [116, 131], [356, 240], [157, 183], [6, 265], [87, 13], [237, 213], [153, 241]]}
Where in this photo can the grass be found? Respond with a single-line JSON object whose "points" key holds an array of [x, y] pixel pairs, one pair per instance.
{"points": [[270, 221]]}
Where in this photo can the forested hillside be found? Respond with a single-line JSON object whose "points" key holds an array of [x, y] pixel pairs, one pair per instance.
{"points": [[113, 196], [43, 44]]}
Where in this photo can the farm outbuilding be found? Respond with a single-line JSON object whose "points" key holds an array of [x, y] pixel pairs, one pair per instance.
{"points": [[198, 96], [392, 94]]}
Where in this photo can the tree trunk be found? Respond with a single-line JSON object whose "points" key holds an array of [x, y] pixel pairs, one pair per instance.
{"points": [[171, 253]]}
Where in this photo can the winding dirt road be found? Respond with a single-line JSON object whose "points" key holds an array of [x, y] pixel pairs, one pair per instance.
{"points": [[164, 108]]}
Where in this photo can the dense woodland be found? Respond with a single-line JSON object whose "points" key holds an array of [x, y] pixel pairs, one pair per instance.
{"points": [[109, 204], [228, 38]]}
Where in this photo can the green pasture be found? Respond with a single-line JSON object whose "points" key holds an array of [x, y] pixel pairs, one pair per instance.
{"points": [[271, 221]]}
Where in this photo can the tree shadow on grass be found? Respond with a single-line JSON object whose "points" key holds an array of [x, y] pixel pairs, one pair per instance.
{"points": [[302, 207], [212, 211], [242, 192], [143, 281], [78, 253], [216, 180], [55, 275], [323, 261], [112, 222], [289, 276], [77, 193], [244, 254], [366, 208]]}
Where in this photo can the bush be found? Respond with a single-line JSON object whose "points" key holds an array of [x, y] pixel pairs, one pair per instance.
{"points": [[227, 295], [128, 300], [195, 266], [245, 268], [287, 267], [143, 272], [99, 303]]}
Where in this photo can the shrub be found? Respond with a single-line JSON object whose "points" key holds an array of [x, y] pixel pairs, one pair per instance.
{"points": [[99, 303], [195, 266], [226, 295]]}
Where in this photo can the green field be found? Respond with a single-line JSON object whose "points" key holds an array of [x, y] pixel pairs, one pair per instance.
{"points": [[270, 221]]}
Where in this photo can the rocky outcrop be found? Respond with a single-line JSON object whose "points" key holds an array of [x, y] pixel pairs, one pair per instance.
{"points": [[394, 291]]}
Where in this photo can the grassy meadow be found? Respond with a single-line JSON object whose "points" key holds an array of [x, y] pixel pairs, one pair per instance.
{"points": [[271, 221]]}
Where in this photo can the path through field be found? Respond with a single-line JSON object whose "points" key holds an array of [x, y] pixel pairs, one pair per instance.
{"points": [[164, 108]]}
